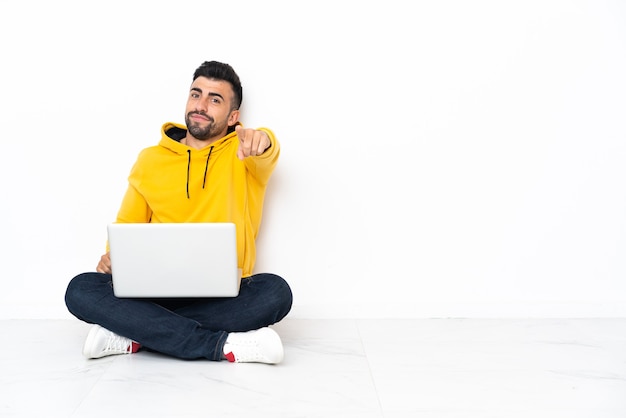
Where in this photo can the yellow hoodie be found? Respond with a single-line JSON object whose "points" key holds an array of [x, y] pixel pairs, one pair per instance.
{"points": [[171, 182]]}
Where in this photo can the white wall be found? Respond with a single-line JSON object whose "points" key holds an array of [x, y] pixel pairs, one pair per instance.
{"points": [[439, 158]]}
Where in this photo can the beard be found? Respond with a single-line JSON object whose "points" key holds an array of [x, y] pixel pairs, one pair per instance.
{"points": [[204, 132]]}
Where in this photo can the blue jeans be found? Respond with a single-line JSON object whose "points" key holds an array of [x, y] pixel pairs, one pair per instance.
{"points": [[183, 328]]}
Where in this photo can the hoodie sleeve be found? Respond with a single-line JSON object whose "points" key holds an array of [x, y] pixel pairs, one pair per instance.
{"points": [[133, 210], [134, 207]]}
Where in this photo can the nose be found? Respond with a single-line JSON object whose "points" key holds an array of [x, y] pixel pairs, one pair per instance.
{"points": [[202, 104]]}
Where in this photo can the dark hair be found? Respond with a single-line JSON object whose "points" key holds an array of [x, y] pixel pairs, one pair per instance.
{"points": [[224, 72]]}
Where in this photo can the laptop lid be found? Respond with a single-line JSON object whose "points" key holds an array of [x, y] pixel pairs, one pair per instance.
{"points": [[163, 260]]}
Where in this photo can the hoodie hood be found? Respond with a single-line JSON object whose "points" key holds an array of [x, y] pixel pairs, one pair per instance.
{"points": [[172, 133]]}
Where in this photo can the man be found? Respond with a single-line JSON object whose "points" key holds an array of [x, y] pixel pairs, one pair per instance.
{"points": [[211, 170]]}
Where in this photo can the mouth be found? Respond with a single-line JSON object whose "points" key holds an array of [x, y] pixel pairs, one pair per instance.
{"points": [[199, 117]]}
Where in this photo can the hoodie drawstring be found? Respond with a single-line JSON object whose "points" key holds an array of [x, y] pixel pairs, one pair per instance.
{"points": [[188, 166], [206, 168]]}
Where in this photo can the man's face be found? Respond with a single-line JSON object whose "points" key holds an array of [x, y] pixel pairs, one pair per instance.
{"points": [[208, 113]]}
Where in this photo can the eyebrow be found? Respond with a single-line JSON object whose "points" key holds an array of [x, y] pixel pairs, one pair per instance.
{"points": [[199, 90]]}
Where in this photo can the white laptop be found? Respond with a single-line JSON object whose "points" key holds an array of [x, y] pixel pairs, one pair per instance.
{"points": [[170, 260]]}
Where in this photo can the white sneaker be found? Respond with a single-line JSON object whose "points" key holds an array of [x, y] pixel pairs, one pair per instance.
{"points": [[101, 342], [259, 346]]}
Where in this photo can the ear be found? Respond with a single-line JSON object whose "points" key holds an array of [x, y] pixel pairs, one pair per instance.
{"points": [[233, 118]]}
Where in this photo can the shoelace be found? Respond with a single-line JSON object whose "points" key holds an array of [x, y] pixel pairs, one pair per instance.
{"points": [[117, 344]]}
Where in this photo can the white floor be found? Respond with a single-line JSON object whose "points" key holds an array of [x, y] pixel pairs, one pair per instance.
{"points": [[429, 368]]}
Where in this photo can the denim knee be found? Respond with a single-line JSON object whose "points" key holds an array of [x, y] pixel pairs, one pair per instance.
{"points": [[283, 296], [82, 292]]}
